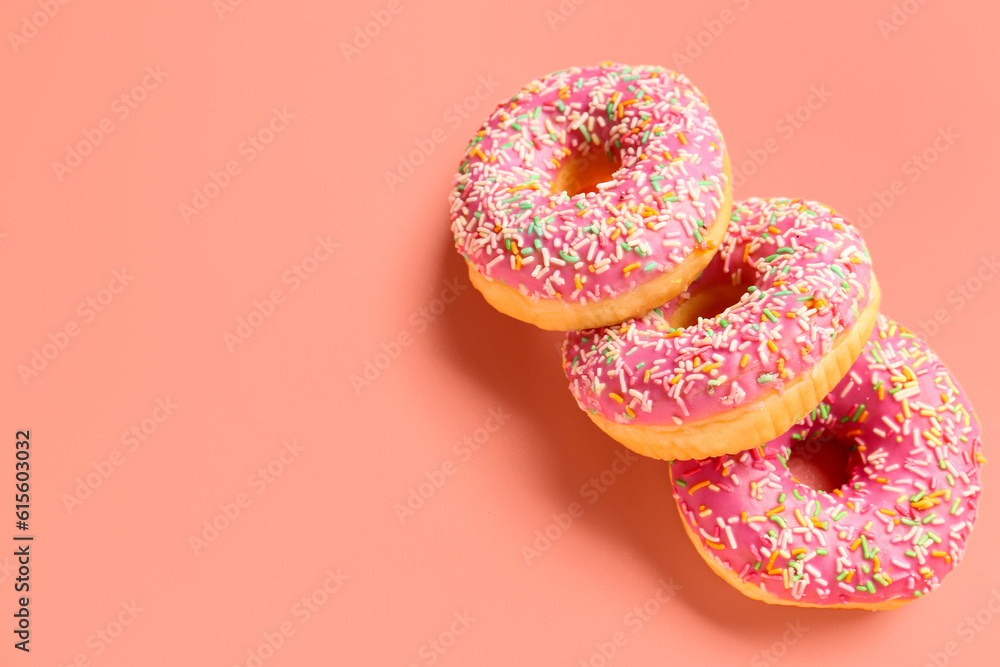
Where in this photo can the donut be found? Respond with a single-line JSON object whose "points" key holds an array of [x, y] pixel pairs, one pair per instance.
{"points": [[593, 195], [798, 301], [889, 534]]}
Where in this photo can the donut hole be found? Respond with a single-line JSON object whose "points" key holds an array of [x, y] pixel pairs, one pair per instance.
{"points": [[706, 303], [822, 462], [582, 172]]}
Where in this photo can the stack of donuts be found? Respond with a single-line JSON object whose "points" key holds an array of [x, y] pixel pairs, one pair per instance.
{"points": [[722, 336]]}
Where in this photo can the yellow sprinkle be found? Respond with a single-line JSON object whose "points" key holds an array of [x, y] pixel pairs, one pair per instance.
{"points": [[744, 360], [615, 397], [631, 267], [801, 519], [771, 346], [680, 135]]}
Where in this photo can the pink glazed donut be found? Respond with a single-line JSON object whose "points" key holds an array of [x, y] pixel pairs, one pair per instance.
{"points": [[593, 195], [798, 301], [887, 536]]}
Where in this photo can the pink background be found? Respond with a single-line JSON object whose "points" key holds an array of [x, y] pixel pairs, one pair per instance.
{"points": [[343, 121]]}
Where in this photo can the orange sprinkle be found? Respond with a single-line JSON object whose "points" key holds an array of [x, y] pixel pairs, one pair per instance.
{"points": [[771, 346], [616, 397], [775, 510], [683, 139], [744, 360], [631, 267], [700, 485]]}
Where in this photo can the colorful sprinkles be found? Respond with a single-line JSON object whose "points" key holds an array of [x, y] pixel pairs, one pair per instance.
{"points": [[805, 276], [592, 245], [894, 530]]}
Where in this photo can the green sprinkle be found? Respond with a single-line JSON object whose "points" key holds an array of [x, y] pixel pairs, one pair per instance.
{"points": [[765, 378], [836, 269], [770, 315], [649, 267], [568, 257]]}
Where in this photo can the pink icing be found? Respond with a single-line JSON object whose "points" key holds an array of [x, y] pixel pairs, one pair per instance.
{"points": [[514, 227], [894, 530], [809, 277]]}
